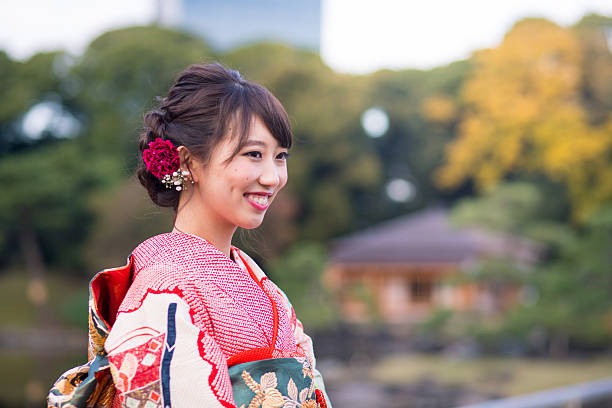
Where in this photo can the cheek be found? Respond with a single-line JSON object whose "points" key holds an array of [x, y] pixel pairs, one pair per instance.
{"points": [[283, 179], [241, 176]]}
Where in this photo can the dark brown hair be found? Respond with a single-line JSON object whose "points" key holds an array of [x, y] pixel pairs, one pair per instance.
{"points": [[206, 103]]}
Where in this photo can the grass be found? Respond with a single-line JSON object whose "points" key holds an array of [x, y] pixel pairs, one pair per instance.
{"points": [[505, 376]]}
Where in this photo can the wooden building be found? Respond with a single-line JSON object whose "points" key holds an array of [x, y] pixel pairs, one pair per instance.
{"points": [[403, 268]]}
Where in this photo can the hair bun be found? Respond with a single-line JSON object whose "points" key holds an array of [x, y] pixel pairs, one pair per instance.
{"points": [[155, 121], [236, 76], [155, 126]]}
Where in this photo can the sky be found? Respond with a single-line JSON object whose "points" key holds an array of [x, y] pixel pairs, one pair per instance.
{"points": [[358, 36], [361, 35], [27, 26]]}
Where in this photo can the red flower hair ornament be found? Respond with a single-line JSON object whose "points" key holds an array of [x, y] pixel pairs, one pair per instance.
{"points": [[162, 160]]}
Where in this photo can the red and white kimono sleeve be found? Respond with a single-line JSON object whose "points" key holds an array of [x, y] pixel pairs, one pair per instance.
{"points": [[159, 358]]}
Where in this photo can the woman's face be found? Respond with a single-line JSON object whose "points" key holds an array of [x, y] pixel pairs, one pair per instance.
{"points": [[238, 193]]}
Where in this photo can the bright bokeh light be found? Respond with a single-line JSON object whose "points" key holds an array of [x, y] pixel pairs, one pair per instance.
{"points": [[375, 122], [52, 117], [400, 190]]}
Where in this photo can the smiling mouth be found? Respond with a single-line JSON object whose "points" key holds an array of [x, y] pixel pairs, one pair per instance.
{"points": [[259, 201]]}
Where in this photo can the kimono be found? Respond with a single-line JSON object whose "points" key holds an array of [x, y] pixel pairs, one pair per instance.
{"points": [[184, 325]]}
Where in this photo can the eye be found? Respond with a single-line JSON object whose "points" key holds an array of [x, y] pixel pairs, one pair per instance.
{"points": [[283, 156], [255, 154]]}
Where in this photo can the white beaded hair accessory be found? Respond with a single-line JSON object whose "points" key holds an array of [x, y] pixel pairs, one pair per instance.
{"points": [[178, 179]]}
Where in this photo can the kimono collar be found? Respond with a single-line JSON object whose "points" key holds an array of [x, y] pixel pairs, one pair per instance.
{"points": [[174, 245], [242, 259]]}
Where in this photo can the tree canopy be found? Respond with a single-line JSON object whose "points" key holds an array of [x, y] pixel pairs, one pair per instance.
{"points": [[524, 115]]}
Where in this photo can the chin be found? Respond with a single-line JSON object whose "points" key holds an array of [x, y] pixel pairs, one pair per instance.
{"points": [[251, 223]]}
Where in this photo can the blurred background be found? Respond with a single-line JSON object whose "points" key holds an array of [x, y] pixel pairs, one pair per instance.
{"points": [[446, 232]]}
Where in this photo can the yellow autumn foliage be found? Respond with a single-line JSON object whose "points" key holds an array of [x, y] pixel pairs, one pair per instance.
{"points": [[439, 109], [524, 114]]}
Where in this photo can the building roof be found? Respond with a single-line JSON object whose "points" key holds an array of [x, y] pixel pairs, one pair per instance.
{"points": [[426, 237]]}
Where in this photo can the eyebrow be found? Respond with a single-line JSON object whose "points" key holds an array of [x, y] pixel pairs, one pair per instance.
{"points": [[254, 143]]}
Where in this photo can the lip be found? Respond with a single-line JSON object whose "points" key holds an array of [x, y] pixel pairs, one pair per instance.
{"points": [[257, 205]]}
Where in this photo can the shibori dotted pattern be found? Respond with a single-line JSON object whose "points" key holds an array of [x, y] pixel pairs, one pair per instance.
{"points": [[232, 311], [226, 301]]}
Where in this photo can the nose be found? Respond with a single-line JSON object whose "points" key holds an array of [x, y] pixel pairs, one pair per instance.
{"points": [[270, 174]]}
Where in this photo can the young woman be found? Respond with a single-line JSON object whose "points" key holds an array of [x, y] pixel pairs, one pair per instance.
{"points": [[192, 321]]}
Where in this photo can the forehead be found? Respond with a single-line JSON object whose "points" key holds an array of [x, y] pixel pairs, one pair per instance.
{"points": [[257, 135]]}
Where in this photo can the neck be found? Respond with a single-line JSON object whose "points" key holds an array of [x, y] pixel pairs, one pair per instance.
{"points": [[192, 220]]}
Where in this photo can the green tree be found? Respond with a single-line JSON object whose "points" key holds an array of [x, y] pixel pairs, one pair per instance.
{"points": [[44, 211], [298, 273], [25, 84], [573, 303], [423, 112], [565, 293]]}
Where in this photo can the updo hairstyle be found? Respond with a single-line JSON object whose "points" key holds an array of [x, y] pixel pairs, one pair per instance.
{"points": [[206, 103]]}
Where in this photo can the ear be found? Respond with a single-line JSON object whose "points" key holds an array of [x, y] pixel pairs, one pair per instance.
{"points": [[188, 162]]}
